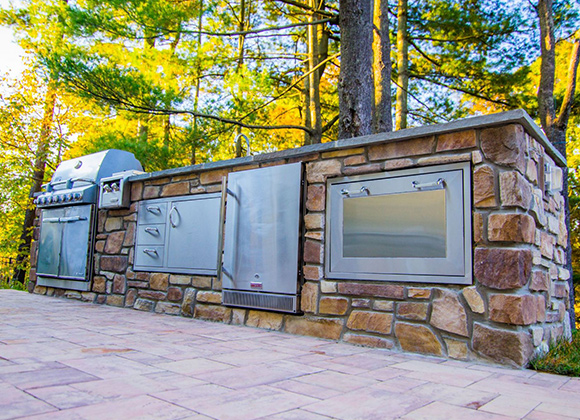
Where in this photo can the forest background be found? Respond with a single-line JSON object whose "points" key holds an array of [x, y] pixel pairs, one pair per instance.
{"points": [[176, 81]]}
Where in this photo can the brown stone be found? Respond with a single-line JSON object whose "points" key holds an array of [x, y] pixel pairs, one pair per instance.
{"points": [[417, 339], [213, 177], [500, 268], [99, 247], [477, 228], [342, 153], [390, 291], [319, 171], [151, 191], [130, 235], [540, 281], [119, 284], [448, 313], [540, 308], [412, 310], [507, 347], [515, 190], [368, 341], [113, 223], [511, 227], [99, 284], [397, 149], [114, 242], [159, 281], [136, 191], [313, 252], [513, 309], [130, 297], [484, 194], [209, 297], [561, 290], [167, 308], [309, 297], [456, 349], [361, 303], [397, 163], [212, 312], [354, 160], [377, 322], [455, 141], [362, 169], [176, 188], [313, 221], [138, 284], [415, 293], [547, 243], [266, 320], [216, 284], [312, 272], [474, 300], [174, 294], [116, 300], [150, 294], [188, 302], [316, 198], [201, 282], [144, 305], [505, 145], [333, 306], [317, 327], [115, 263], [39, 290]]}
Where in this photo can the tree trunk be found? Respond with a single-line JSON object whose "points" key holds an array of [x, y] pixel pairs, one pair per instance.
{"points": [[241, 43], [314, 79], [402, 66], [40, 158], [194, 136], [382, 117], [355, 85]]}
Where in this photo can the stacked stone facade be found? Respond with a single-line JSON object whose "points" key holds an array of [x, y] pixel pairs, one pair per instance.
{"points": [[519, 297]]}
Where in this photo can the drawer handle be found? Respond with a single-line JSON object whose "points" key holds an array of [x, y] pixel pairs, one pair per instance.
{"points": [[364, 191], [153, 209], [436, 185], [150, 252], [152, 231]]}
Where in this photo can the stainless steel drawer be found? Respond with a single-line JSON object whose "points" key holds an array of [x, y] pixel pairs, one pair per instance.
{"points": [[152, 212], [151, 234], [149, 255]]}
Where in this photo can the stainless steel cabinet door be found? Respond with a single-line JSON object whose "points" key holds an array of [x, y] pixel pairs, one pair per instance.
{"points": [[262, 232], [75, 242], [49, 242], [193, 230]]}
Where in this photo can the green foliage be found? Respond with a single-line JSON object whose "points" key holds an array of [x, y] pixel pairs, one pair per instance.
{"points": [[563, 357]]}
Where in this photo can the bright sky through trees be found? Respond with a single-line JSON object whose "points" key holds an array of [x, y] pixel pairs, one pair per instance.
{"points": [[11, 52]]}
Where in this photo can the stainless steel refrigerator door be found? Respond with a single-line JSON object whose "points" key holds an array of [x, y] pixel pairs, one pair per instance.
{"points": [[49, 241], [262, 231]]}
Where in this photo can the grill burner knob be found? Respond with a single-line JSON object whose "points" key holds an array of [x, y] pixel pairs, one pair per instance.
{"points": [[68, 197], [78, 196]]}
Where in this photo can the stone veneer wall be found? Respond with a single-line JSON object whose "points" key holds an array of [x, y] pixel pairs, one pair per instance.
{"points": [[519, 297]]}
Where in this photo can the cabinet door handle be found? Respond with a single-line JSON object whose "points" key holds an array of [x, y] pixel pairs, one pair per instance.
{"points": [[152, 231], [173, 211]]}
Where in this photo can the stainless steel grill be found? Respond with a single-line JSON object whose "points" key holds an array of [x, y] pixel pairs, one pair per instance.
{"points": [[67, 220]]}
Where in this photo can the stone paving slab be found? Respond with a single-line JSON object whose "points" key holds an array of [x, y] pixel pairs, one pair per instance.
{"points": [[62, 359]]}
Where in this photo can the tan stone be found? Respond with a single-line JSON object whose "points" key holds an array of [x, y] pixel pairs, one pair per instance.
{"points": [[397, 149], [167, 308], [213, 177], [563, 236], [309, 297], [136, 191], [317, 327], [412, 310], [378, 322], [561, 290], [547, 243], [114, 242], [246, 167], [313, 252], [119, 284], [216, 284], [505, 145], [99, 247], [448, 314], [209, 297], [116, 300], [368, 341], [238, 316], [390, 291], [474, 300], [39, 290], [99, 284], [360, 303], [354, 160], [515, 190], [415, 293], [144, 305], [176, 188], [151, 191], [342, 153], [440, 159], [314, 235], [181, 280], [501, 268], [513, 309], [113, 223], [333, 306], [532, 171], [484, 193], [201, 282], [454, 141], [265, 320], [384, 305], [477, 228], [362, 169], [312, 272], [456, 349], [328, 286], [319, 171], [212, 312], [540, 308], [130, 298], [316, 198], [129, 234], [501, 346], [159, 281], [397, 164], [188, 302], [476, 157], [540, 281], [417, 339], [313, 221], [511, 227]]}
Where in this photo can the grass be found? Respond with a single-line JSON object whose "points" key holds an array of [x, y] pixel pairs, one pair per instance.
{"points": [[563, 358], [7, 283]]}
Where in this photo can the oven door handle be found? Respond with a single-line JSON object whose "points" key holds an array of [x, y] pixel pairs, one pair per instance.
{"points": [[64, 219]]}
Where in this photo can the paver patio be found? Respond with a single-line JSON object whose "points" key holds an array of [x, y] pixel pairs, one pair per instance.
{"points": [[63, 359]]}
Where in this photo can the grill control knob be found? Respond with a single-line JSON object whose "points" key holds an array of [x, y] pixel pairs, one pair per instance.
{"points": [[78, 196], [68, 197]]}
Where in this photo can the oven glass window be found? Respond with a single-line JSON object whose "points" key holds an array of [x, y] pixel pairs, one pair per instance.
{"points": [[409, 225]]}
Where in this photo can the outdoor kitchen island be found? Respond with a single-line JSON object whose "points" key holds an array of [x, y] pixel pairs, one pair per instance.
{"points": [[446, 240]]}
